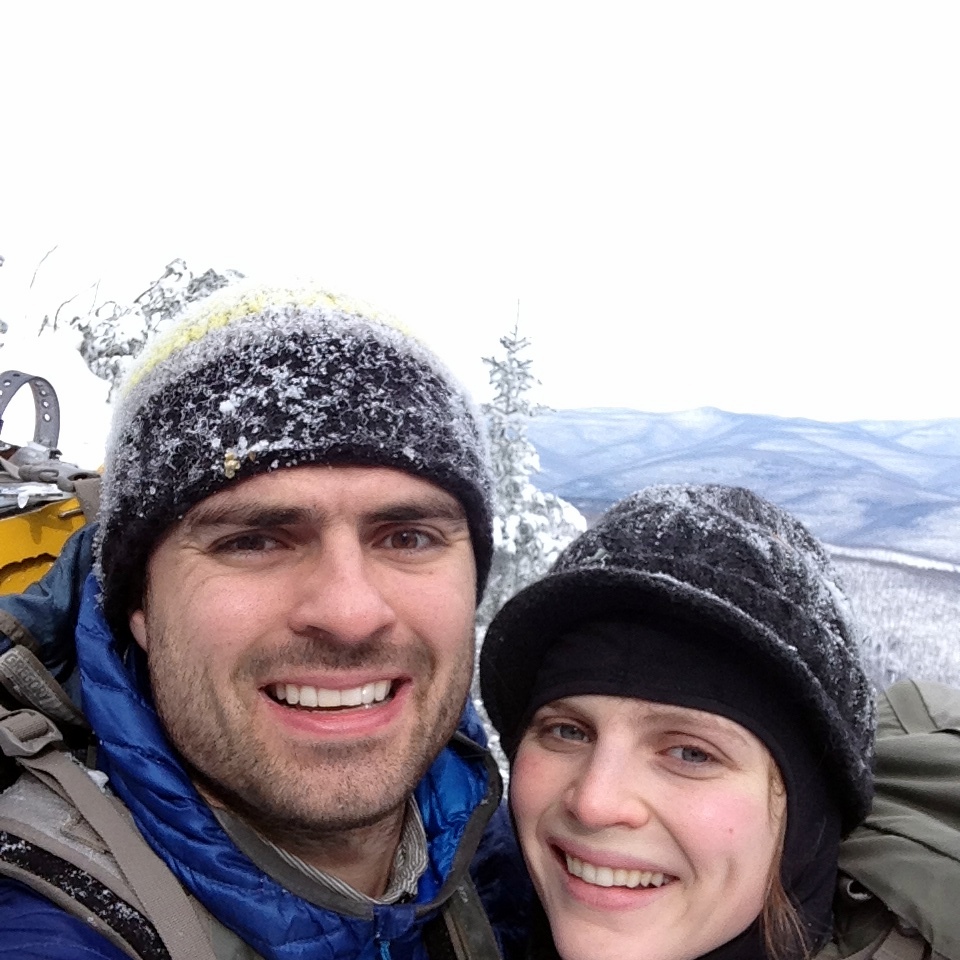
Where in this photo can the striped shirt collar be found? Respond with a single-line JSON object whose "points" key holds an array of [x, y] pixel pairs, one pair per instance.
{"points": [[409, 864]]}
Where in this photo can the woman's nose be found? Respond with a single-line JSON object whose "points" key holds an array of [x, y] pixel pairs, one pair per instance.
{"points": [[608, 792]]}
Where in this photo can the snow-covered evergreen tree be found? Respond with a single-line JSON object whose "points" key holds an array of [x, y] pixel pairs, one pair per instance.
{"points": [[530, 527]]}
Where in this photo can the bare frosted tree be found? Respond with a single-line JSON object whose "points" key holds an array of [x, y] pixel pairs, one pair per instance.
{"points": [[114, 333]]}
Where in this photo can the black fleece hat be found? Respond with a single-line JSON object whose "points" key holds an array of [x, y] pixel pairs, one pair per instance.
{"points": [[716, 556], [258, 379]]}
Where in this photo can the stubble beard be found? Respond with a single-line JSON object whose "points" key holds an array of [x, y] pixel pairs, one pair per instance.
{"points": [[300, 795]]}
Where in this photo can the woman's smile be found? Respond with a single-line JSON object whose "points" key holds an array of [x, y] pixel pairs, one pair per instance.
{"points": [[605, 876], [649, 830]]}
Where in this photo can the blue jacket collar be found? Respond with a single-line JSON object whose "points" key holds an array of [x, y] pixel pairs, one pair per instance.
{"points": [[456, 798]]}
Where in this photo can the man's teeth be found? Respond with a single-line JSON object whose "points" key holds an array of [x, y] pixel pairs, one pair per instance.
{"points": [[608, 877], [295, 695]]}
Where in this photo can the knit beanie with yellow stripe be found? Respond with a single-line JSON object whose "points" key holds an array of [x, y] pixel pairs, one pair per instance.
{"points": [[257, 379]]}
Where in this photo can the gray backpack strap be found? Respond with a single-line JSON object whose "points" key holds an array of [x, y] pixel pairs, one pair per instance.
{"points": [[922, 707], [87, 490], [77, 887], [898, 946], [462, 930], [34, 741], [908, 706], [29, 682], [46, 429], [894, 943], [868, 952]]}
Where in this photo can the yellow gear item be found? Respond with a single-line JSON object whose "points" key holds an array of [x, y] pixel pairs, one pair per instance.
{"points": [[32, 537], [30, 541]]}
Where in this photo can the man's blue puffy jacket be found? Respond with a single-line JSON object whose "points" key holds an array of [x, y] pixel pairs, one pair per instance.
{"points": [[455, 799]]}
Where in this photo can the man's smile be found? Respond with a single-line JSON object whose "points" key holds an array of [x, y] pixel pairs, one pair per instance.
{"points": [[325, 698]]}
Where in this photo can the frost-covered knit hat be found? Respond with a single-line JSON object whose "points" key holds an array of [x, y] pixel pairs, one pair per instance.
{"points": [[260, 378], [723, 558]]}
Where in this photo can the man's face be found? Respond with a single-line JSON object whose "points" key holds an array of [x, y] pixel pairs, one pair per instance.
{"points": [[348, 587]]}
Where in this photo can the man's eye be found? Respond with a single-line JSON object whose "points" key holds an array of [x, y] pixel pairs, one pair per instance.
{"points": [[692, 755], [247, 543], [408, 540]]}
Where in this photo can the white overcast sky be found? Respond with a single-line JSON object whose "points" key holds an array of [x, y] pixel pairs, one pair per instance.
{"points": [[753, 206]]}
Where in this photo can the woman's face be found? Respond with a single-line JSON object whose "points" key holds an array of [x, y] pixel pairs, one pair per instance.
{"points": [[649, 830]]}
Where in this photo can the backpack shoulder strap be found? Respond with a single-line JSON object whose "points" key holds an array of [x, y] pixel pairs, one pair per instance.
{"points": [[909, 707], [34, 740], [30, 683], [856, 909], [35, 863], [87, 490], [897, 945], [46, 428], [924, 706], [461, 931]]}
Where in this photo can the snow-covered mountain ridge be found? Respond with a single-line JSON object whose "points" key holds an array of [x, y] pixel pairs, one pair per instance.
{"points": [[863, 485], [891, 558]]}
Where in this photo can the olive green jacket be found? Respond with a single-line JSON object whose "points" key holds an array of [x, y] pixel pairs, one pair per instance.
{"points": [[900, 870]]}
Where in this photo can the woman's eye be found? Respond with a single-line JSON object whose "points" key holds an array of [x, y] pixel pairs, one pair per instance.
{"points": [[692, 755], [567, 731]]}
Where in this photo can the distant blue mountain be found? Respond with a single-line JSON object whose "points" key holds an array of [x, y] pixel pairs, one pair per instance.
{"points": [[888, 484]]}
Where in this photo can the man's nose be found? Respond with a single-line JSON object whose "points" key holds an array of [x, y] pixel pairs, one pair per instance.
{"points": [[340, 593], [608, 791]]}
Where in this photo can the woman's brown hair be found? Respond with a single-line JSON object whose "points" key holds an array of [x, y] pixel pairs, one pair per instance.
{"points": [[783, 934]]}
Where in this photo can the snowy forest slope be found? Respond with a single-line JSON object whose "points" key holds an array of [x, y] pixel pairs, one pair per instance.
{"points": [[884, 496], [912, 617]]}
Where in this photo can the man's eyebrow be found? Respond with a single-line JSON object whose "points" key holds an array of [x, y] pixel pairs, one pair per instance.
{"points": [[266, 516], [423, 508], [247, 515]]}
